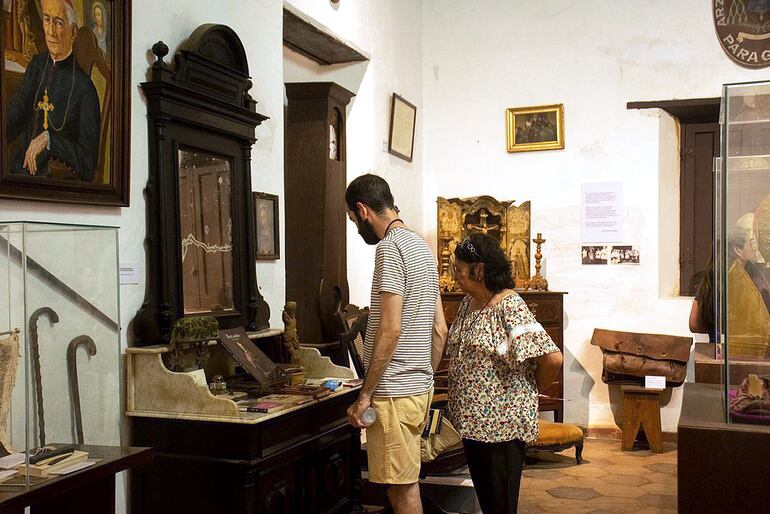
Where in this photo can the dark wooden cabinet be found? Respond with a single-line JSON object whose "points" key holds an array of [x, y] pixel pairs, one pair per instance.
{"points": [[315, 181], [548, 308], [304, 461]]}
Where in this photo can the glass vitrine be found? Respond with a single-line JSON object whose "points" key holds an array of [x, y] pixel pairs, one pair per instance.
{"points": [[59, 345], [742, 251]]}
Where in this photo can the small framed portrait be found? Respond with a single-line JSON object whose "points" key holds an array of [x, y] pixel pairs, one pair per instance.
{"points": [[65, 98], [535, 128], [403, 118], [266, 226]]}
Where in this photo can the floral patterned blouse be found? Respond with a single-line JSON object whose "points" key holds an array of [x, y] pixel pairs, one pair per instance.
{"points": [[492, 388]]}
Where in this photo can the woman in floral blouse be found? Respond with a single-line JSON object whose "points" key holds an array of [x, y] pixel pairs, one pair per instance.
{"points": [[500, 357]]}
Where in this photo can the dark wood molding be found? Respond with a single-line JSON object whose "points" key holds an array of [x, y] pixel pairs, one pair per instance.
{"points": [[691, 110], [310, 40], [202, 105]]}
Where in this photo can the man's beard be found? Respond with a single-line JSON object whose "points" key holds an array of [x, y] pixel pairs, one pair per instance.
{"points": [[366, 231]]}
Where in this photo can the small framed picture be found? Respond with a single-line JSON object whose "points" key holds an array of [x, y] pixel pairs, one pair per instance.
{"points": [[594, 255], [624, 255], [403, 118], [266, 226], [535, 128]]}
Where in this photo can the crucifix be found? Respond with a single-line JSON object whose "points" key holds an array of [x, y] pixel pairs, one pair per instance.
{"points": [[46, 107], [482, 225]]}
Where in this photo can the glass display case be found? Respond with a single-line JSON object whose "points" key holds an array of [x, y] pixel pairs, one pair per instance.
{"points": [[60, 385], [742, 252]]}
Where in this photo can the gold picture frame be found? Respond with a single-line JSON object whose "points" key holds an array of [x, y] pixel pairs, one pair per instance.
{"points": [[535, 128]]}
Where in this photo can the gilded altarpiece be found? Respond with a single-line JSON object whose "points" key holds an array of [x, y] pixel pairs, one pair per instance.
{"points": [[458, 218]]}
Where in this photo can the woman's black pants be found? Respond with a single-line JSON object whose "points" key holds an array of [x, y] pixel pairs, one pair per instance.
{"points": [[496, 473]]}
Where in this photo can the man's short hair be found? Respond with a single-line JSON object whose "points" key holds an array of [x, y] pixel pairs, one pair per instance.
{"points": [[370, 190]]}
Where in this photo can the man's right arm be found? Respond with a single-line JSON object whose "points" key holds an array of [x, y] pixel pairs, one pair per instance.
{"points": [[439, 334]]}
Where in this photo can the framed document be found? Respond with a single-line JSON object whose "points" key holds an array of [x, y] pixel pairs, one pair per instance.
{"points": [[403, 118]]}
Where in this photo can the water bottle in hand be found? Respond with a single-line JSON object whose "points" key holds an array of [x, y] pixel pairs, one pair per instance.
{"points": [[369, 416]]}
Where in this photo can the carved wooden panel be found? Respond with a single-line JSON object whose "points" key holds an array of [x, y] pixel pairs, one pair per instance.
{"points": [[460, 217]]}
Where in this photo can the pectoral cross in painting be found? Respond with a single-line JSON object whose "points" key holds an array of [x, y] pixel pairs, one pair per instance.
{"points": [[46, 107], [482, 224]]}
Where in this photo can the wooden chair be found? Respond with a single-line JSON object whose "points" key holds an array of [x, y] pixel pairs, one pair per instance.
{"points": [[88, 55], [353, 339]]}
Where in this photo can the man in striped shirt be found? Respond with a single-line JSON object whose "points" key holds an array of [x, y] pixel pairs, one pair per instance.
{"points": [[404, 341]]}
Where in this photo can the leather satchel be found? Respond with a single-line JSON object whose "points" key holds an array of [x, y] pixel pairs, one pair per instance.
{"points": [[443, 438], [629, 356]]}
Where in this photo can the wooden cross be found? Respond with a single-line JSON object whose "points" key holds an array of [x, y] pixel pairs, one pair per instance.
{"points": [[482, 226], [46, 107]]}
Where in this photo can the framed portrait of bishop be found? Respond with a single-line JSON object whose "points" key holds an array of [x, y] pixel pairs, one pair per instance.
{"points": [[64, 100]]}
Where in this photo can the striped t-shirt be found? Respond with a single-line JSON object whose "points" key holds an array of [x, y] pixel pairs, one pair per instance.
{"points": [[404, 265]]}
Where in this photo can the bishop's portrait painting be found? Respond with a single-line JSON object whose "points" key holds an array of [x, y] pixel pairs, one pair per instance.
{"points": [[65, 100]]}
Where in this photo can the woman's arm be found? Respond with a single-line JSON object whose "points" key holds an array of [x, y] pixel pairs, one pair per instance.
{"points": [[696, 320], [548, 367]]}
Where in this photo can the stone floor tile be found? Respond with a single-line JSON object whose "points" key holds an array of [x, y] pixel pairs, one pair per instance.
{"points": [[659, 488], [573, 493], [625, 479], [660, 478], [620, 491], [585, 471], [542, 474], [661, 467], [666, 501]]}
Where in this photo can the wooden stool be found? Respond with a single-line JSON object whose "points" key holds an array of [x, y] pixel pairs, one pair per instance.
{"points": [[641, 406]]}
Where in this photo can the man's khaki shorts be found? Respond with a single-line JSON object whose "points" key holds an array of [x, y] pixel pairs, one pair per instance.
{"points": [[393, 440]]}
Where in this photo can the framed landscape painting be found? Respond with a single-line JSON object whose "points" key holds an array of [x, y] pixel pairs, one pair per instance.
{"points": [[535, 128]]}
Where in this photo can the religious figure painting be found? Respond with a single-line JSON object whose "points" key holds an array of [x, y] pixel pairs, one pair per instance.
{"points": [[65, 100], [266, 226], [535, 128]]}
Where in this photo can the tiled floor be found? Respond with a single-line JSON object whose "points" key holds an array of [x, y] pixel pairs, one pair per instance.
{"points": [[608, 481]]}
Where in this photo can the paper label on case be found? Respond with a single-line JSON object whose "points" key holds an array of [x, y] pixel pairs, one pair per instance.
{"points": [[654, 382]]}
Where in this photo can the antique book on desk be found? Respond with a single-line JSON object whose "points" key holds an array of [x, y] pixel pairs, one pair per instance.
{"points": [[316, 392], [53, 464]]}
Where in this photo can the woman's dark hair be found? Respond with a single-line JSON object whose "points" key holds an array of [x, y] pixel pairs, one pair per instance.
{"points": [[370, 190], [482, 248], [705, 295]]}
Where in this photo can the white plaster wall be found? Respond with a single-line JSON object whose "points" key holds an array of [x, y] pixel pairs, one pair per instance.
{"points": [[259, 25], [391, 33], [481, 57]]}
